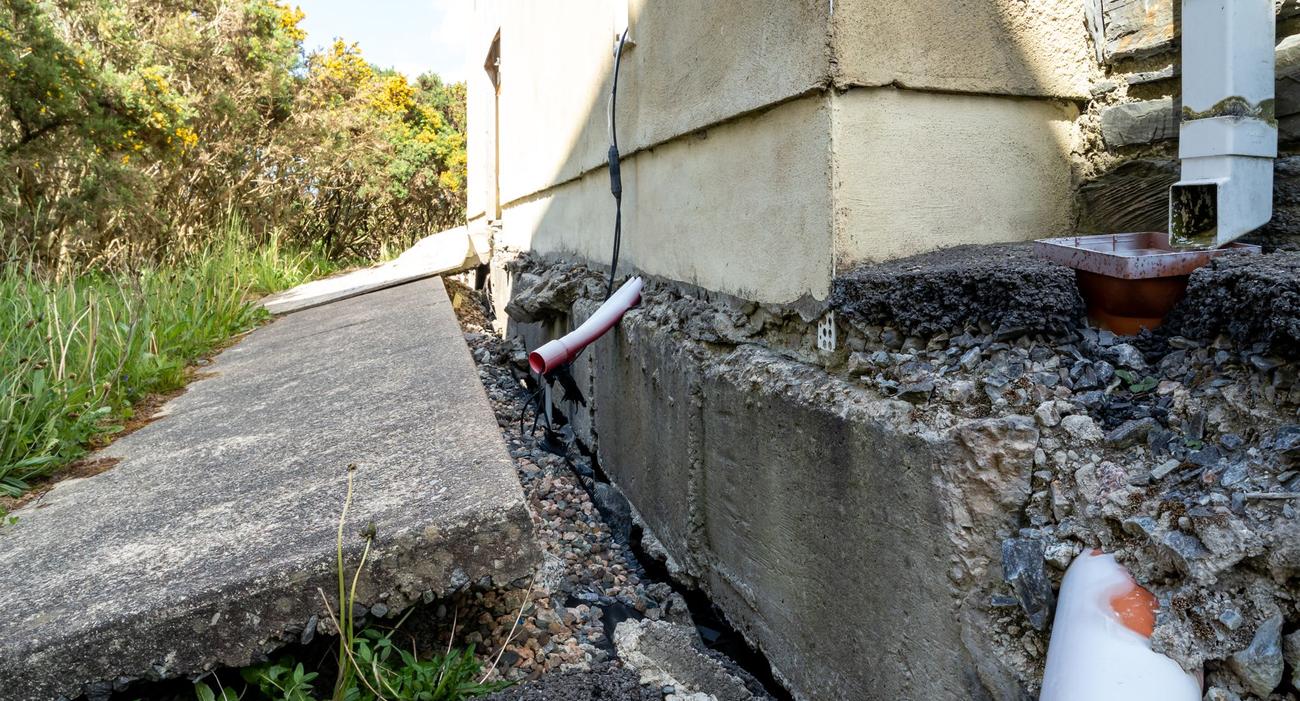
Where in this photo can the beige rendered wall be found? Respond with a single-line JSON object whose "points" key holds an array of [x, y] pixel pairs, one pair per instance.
{"points": [[734, 117], [691, 65], [743, 208], [1007, 47], [918, 170]]}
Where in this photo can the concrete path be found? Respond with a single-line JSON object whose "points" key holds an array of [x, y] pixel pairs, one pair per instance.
{"points": [[448, 251], [207, 543]]}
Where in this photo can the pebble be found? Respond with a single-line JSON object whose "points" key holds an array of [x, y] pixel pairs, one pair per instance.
{"points": [[1081, 427]]}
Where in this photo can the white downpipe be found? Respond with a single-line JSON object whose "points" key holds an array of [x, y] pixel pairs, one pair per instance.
{"points": [[1100, 648], [1227, 138]]}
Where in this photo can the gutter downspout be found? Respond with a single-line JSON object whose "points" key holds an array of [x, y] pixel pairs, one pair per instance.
{"points": [[1227, 138]]}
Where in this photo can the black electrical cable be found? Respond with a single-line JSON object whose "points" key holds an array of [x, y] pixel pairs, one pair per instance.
{"points": [[615, 176]]}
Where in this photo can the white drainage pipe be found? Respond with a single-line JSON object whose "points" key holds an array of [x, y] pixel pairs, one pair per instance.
{"points": [[1100, 648], [560, 351], [1227, 139]]}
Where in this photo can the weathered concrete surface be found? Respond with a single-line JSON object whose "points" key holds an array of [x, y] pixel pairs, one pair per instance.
{"points": [[1252, 299], [207, 543], [981, 46], [606, 683], [671, 654], [448, 251], [1006, 286], [811, 520], [818, 515], [975, 169]]}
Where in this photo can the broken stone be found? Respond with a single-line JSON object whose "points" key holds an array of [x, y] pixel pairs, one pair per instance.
{"points": [[1126, 356], [1082, 428], [667, 654], [1260, 664], [1059, 555], [1231, 619], [916, 391], [1130, 433], [1220, 694], [1022, 568], [1287, 441], [1047, 413], [1164, 468], [1291, 653]]}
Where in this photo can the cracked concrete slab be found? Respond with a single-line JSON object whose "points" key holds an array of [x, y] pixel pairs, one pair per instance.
{"points": [[207, 543]]}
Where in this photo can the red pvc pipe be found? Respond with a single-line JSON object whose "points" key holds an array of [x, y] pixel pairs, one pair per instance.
{"points": [[560, 351]]}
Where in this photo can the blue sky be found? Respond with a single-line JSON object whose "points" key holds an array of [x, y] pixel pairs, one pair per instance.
{"points": [[410, 35]]}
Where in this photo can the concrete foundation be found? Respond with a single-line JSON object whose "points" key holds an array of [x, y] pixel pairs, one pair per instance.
{"points": [[818, 516]]}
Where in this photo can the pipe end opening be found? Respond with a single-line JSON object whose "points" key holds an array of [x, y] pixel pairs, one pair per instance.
{"points": [[537, 363]]}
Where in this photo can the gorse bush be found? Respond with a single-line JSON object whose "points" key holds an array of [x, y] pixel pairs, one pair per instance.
{"points": [[77, 352], [131, 129]]}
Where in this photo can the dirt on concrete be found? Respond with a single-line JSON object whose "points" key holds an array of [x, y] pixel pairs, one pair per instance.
{"points": [[1250, 299], [1005, 286]]}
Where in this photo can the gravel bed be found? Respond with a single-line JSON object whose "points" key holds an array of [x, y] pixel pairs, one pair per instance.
{"points": [[590, 579]]}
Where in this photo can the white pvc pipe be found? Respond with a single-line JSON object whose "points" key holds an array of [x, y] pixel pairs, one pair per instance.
{"points": [[560, 351], [1100, 648], [1227, 138]]}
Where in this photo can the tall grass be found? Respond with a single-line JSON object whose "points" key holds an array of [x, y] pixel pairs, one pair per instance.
{"points": [[77, 352]]}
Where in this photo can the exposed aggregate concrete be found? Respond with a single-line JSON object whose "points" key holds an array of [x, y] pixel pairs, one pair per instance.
{"points": [[1005, 285], [1251, 299]]}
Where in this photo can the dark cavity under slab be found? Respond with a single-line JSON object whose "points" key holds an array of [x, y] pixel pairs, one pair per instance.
{"points": [[1005, 286]]}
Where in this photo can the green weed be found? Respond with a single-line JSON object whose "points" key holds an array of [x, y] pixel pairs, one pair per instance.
{"points": [[77, 352]]}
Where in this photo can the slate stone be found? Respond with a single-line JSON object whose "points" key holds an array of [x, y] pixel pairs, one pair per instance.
{"points": [[1023, 568], [1142, 122], [1130, 433], [1260, 664]]}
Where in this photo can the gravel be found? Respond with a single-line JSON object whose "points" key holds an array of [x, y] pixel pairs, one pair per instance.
{"points": [[562, 646]]}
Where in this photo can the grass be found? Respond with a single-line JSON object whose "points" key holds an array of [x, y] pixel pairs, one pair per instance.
{"points": [[77, 352], [371, 666]]}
